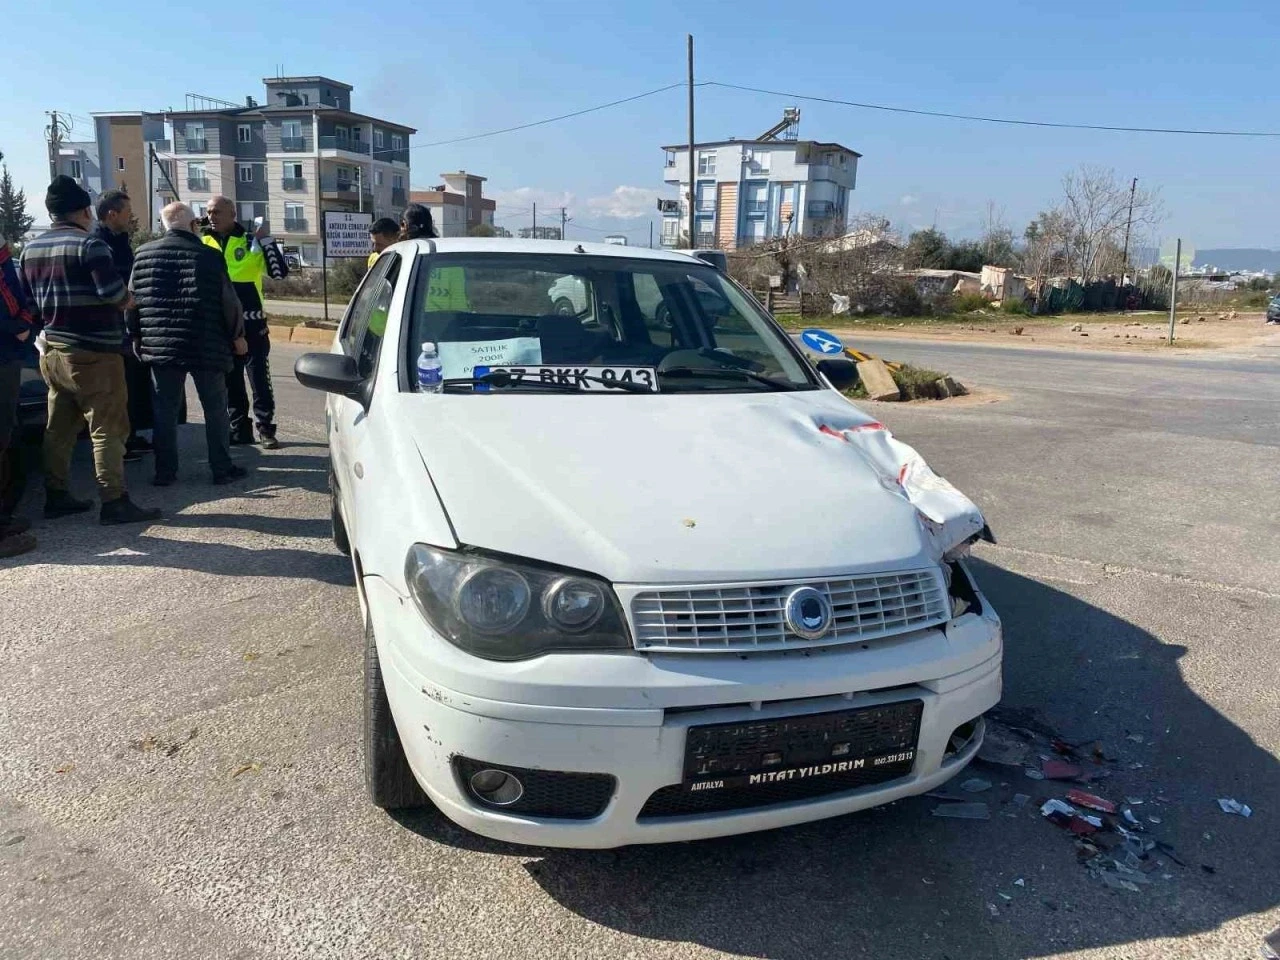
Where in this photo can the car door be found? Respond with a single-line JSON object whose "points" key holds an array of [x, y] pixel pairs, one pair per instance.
{"points": [[362, 334]]}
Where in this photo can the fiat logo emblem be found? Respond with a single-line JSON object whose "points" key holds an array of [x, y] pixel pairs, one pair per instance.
{"points": [[808, 613]]}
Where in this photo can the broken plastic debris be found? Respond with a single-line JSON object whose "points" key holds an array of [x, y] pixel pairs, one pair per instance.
{"points": [[1130, 818], [1002, 746], [1271, 945], [963, 811], [1054, 805], [1033, 774], [993, 909], [1136, 738], [1020, 882], [1155, 820], [1091, 801], [1004, 896], [1021, 799], [1230, 805], [975, 785], [1118, 883], [1133, 801]]}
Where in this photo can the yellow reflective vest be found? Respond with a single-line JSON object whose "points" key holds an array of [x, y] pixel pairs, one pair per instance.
{"points": [[244, 264]]}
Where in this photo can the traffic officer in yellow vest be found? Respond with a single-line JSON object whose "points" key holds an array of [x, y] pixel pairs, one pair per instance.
{"points": [[249, 258]]}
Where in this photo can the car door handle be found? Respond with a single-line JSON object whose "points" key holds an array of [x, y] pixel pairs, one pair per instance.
{"points": [[359, 470]]}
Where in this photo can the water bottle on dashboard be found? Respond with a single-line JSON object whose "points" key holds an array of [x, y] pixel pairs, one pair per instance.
{"points": [[430, 371]]}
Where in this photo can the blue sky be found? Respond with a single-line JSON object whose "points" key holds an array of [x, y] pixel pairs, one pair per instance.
{"points": [[456, 69]]}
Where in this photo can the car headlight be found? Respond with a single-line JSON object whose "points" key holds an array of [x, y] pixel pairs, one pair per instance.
{"points": [[504, 610]]}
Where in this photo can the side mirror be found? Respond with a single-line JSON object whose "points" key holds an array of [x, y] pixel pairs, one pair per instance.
{"points": [[841, 372], [332, 373]]}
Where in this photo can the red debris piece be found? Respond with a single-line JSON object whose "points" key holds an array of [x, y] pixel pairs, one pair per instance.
{"points": [[1091, 801], [1081, 828], [1060, 770]]}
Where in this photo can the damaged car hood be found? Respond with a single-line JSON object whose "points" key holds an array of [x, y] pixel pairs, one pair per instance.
{"points": [[686, 488]]}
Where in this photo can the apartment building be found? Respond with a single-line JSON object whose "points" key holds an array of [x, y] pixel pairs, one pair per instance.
{"points": [[302, 151], [748, 191], [458, 204], [120, 158]]}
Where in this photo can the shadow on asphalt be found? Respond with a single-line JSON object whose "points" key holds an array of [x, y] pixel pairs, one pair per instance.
{"points": [[81, 541], [898, 882]]}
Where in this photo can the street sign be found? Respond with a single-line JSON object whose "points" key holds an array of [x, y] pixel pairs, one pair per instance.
{"points": [[819, 341], [347, 234]]}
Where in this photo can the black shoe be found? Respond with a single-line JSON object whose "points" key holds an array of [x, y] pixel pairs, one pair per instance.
{"points": [[12, 526], [232, 474], [138, 444], [124, 510], [164, 480], [270, 442], [59, 503], [242, 439], [132, 456], [17, 544]]}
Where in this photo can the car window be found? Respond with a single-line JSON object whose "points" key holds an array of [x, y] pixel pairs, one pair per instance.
{"points": [[520, 309], [376, 330], [357, 319]]}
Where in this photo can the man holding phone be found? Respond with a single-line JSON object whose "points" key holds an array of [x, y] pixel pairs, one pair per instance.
{"points": [[249, 258]]}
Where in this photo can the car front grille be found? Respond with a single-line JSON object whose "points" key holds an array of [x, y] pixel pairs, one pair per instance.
{"points": [[745, 618]]}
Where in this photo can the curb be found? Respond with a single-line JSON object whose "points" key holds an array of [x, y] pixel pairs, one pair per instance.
{"points": [[315, 336]]}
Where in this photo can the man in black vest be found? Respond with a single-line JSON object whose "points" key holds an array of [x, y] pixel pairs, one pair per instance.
{"points": [[187, 320]]}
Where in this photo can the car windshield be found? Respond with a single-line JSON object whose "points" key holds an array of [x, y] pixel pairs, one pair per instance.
{"points": [[672, 327]]}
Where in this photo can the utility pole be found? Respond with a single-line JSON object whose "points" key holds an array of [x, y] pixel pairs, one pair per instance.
{"points": [[1124, 264], [1173, 296], [650, 234], [693, 184], [55, 143], [163, 172], [564, 220], [534, 234]]}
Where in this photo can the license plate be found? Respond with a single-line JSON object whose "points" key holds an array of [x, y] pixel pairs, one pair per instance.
{"points": [[576, 375], [760, 753]]}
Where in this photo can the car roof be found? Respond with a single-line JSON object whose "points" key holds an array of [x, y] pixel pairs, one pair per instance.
{"points": [[559, 247]]}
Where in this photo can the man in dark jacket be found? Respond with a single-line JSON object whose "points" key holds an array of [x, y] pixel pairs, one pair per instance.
{"points": [[18, 326], [69, 276], [187, 320], [115, 223]]}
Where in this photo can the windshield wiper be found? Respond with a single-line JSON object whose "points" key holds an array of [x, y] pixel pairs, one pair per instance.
{"points": [[728, 373], [501, 378]]}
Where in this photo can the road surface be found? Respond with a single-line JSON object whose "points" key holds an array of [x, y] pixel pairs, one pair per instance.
{"points": [[179, 737]]}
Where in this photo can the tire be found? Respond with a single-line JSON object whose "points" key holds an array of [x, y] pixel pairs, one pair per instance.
{"points": [[564, 307], [387, 776], [339, 529]]}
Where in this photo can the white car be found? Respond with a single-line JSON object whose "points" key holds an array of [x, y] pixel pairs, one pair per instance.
{"points": [[624, 582]]}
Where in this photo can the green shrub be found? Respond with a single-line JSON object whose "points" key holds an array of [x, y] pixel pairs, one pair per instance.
{"points": [[968, 302], [1016, 307]]}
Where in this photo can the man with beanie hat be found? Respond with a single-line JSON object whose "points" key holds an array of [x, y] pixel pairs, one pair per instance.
{"points": [[69, 275]]}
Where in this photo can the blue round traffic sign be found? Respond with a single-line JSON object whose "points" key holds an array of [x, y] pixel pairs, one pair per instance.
{"points": [[819, 341]]}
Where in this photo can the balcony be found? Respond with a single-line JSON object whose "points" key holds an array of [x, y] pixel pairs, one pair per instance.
{"points": [[198, 183], [197, 145], [342, 188], [295, 224], [821, 209], [399, 197], [293, 183], [344, 143], [757, 206], [293, 144]]}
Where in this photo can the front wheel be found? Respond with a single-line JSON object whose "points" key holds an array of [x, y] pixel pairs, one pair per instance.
{"points": [[387, 776]]}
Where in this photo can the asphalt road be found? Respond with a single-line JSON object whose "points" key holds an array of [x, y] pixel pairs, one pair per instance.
{"points": [[179, 716]]}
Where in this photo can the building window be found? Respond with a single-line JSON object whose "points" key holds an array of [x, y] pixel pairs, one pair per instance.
{"points": [[197, 176], [341, 132], [246, 213], [73, 169], [295, 216], [397, 181], [706, 163], [291, 135], [670, 158], [306, 99], [119, 163], [377, 178], [196, 142], [199, 207], [397, 142], [244, 172], [706, 198], [244, 133], [760, 162], [377, 139]]}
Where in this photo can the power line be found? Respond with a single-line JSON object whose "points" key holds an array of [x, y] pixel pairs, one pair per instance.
{"points": [[538, 123], [1004, 120]]}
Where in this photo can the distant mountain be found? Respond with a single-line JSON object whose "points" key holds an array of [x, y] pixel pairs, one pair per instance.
{"points": [[1240, 258]]}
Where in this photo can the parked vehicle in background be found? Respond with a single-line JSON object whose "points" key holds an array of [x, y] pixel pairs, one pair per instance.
{"points": [[626, 580], [1273, 310]]}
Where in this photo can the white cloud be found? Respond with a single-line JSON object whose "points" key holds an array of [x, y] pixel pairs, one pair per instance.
{"points": [[908, 200], [626, 203], [521, 200]]}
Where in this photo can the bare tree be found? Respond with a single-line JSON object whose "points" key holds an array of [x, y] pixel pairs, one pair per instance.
{"points": [[997, 238], [1095, 204]]}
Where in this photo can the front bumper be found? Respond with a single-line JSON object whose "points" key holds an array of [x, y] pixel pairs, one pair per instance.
{"points": [[515, 715]]}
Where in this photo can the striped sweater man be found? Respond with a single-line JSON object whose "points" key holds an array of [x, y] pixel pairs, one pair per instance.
{"points": [[70, 276]]}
